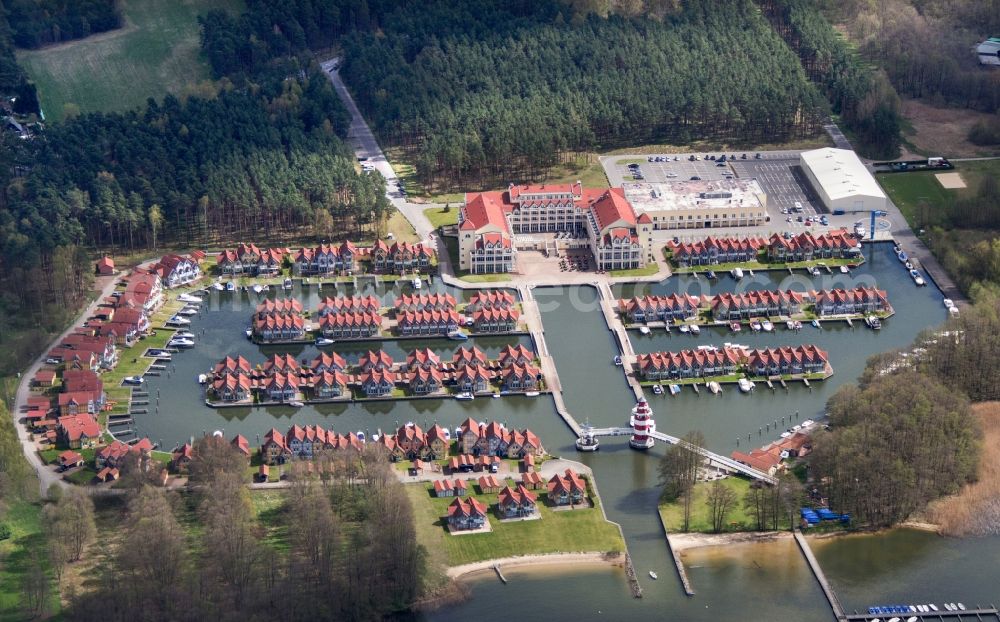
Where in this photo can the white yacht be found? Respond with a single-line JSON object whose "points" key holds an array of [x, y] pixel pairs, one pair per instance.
{"points": [[745, 385]]}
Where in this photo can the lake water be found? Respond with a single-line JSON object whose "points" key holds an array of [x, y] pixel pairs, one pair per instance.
{"points": [[770, 580]]}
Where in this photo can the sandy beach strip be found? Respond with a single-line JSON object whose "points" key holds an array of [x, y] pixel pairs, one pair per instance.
{"points": [[535, 560], [686, 541]]}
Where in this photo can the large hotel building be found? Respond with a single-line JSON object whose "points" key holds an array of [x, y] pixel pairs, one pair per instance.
{"points": [[615, 224]]}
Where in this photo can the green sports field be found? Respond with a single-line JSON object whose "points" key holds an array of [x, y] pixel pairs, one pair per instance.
{"points": [[155, 53]]}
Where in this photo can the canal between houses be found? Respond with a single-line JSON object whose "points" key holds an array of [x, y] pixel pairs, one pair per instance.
{"points": [[756, 581]]}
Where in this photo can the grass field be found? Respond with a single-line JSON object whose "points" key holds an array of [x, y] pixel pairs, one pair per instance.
{"points": [[155, 53], [566, 531], [909, 190], [738, 520], [439, 217], [25, 521]]}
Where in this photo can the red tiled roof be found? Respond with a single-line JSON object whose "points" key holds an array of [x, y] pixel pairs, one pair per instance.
{"points": [[612, 207]]}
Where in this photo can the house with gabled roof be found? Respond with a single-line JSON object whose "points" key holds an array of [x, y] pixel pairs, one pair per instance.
{"points": [[472, 379], [232, 388], [376, 383], [274, 449], [488, 484], [79, 431], [491, 299], [567, 489], [176, 270], [348, 304], [515, 355], [329, 385], [495, 320], [327, 362], [282, 387], [375, 361], [520, 378], [469, 357], [425, 380], [466, 515], [517, 502], [349, 325], [428, 322], [422, 358]]}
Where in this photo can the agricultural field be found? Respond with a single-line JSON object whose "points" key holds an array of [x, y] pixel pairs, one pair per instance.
{"points": [[155, 53]]}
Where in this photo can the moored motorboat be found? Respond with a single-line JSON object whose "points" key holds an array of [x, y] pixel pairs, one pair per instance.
{"points": [[735, 327], [658, 389], [530, 393], [189, 299], [675, 389], [188, 311], [218, 287], [457, 335], [873, 322], [230, 286], [180, 342], [248, 332], [684, 328], [133, 380], [178, 321], [296, 404], [324, 341], [183, 334], [815, 323], [755, 326], [287, 284], [695, 329], [790, 324], [745, 385], [711, 275], [644, 330], [417, 283], [767, 326], [798, 325], [844, 270], [258, 288], [715, 387], [652, 574], [202, 378], [737, 273], [465, 396], [901, 256], [618, 361]]}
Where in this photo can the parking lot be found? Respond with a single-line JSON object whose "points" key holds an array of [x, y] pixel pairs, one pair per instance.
{"points": [[778, 173]]}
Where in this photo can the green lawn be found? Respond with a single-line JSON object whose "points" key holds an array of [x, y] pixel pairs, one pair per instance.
{"points": [[648, 270], [673, 513], [909, 190], [155, 53], [439, 217], [401, 228], [25, 522], [566, 531]]}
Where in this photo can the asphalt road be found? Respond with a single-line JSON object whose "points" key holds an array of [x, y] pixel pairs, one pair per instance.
{"points": [[365, 146]]}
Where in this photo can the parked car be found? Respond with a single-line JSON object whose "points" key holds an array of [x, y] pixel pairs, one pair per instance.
{"points": [[838, 212], [695, 178]]}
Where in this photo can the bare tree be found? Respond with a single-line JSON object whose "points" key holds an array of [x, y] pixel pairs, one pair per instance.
{"points": [[721, 500], [679, 472], [231, 549], [70, 524]]}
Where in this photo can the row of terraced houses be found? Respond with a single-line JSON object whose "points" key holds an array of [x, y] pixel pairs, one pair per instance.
{"points": [[805, 246], [703, 363], [247, 259], [728, 307], [282, 378]]}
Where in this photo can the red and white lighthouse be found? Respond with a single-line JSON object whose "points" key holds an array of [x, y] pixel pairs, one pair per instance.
{"points": [[642, 424]]}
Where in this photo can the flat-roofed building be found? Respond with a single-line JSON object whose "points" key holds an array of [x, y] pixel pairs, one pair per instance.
{"points": [[841, 180], [699, 204]]}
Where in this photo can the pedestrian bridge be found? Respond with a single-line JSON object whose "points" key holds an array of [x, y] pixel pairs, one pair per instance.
{"points": [[713, 458]]}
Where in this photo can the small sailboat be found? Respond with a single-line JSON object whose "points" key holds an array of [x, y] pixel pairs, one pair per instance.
{"points": [[644, 330]]}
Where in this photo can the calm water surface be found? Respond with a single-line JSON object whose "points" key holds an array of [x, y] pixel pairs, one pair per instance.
{"points": [[759, 582]]}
